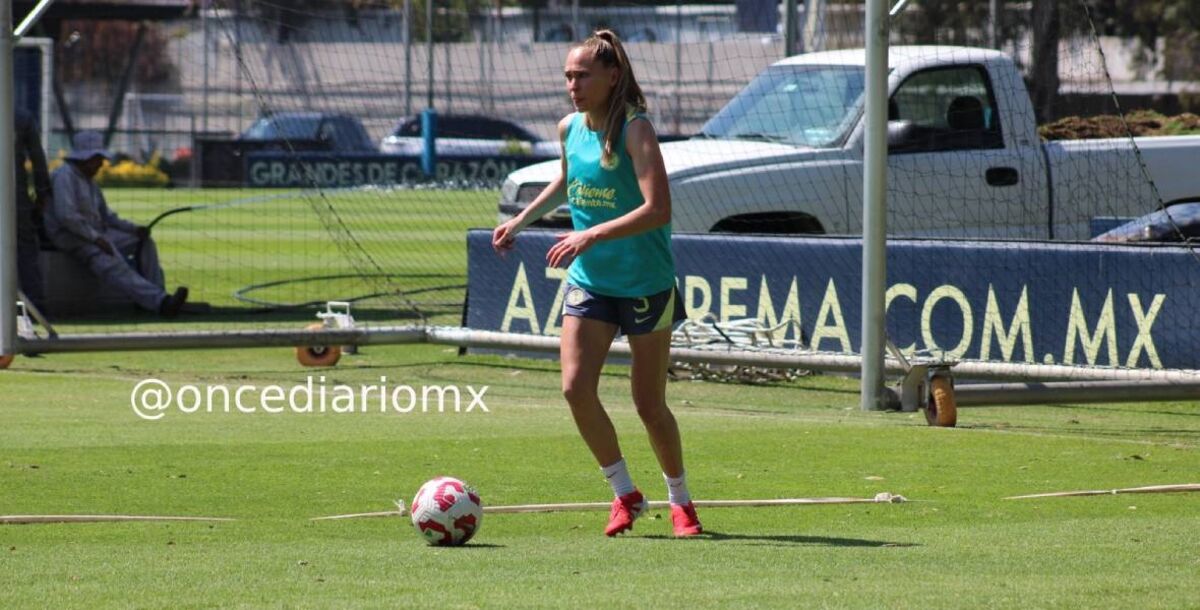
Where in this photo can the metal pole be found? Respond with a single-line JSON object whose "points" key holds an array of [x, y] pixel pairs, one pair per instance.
{"points": [[678, 64], [193, 168], [712, 62], [993, 24], [407, 57], [577, 32], [814, 25], [204, 36], [789, 27], [8, 189], [485, 87], [449, 87], [429, 50], [466, 337], [201, 339], [1072, 392], [874, 263], [30, 20], [237, 54], [428, 116], [494, 36]]}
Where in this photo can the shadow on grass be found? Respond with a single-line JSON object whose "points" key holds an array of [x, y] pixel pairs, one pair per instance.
{"points": [[551, 365], [1078, 430], [784, 540], [1127, 410], [1097, 409]]}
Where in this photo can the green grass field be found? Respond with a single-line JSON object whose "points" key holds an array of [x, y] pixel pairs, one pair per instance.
{"points": [[71, 444]]}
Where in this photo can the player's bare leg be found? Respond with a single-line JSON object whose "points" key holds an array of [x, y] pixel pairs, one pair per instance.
{"points": [[648, 378], [651, 356], [584, 347]]}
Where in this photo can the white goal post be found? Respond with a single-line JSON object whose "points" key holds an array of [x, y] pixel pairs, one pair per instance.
{"points": [[8, 191]]}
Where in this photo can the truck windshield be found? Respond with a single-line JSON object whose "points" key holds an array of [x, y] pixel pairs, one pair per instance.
{"points": [[283, 127], [797, 105]]}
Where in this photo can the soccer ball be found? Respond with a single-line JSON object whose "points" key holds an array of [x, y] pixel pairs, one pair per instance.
{"points": [[446, 512]]}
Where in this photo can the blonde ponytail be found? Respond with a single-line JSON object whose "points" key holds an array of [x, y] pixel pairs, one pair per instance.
{"points": [[626, 97]]}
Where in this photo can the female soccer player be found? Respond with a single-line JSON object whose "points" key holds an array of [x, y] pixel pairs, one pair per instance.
{"points": [[622, 274]]}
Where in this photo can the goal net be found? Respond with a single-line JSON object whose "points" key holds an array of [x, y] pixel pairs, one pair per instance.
{"points": [[276, 151]]}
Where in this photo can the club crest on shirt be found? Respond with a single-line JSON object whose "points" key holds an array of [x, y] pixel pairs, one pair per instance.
{"points": [[575, 296], [611, 163]]}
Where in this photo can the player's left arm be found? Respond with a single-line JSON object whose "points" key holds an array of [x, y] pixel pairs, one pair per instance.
{"points": [[642, 145]]}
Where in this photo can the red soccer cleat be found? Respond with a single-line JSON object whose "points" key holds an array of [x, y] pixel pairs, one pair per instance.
{"points": [[624, 510], [683, 517]]}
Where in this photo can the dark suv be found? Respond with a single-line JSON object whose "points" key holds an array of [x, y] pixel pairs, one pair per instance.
{"points": [[222, 160], [310, 131]]}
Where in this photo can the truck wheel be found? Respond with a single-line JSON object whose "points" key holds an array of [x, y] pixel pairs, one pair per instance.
{"points": [[318, 355], [942, 410], [5, 361], [770, 223]]}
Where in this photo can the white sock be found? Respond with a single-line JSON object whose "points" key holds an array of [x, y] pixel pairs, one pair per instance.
{"points": [[677, 491], [618, 477]]}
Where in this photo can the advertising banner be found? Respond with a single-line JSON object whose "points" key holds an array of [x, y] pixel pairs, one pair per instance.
{"points": [[1083, 304]]}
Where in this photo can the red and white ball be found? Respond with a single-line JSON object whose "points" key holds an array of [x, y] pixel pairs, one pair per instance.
{"points": [[446, 512]]}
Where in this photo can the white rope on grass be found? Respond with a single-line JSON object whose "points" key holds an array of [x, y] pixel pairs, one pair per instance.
{"points": [[31, 519], [1150, 489], [880, 498]]}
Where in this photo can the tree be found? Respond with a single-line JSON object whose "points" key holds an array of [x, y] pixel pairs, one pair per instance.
{"points": [[97, 50], [451, 23], [1172, 25], [944, 22], [1047, 30]]}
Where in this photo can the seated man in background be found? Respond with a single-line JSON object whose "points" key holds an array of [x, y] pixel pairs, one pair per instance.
{"points": [[80, 223]]}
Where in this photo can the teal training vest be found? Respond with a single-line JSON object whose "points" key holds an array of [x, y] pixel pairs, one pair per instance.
{"points": [[634, 266]]}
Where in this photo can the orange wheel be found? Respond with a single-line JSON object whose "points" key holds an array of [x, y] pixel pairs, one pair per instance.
{"points": [[941, 411], [5, 361], [318, 355]]}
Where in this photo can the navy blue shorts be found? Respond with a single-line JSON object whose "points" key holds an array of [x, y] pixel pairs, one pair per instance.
{"points": [[634, 315]]}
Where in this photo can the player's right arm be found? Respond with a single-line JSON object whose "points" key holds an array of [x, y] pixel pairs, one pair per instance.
{"points": [[503, 235]]}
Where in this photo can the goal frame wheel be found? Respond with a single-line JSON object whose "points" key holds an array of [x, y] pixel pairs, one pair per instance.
{"points": [[941, 410], [318, 355], [5, 361]]}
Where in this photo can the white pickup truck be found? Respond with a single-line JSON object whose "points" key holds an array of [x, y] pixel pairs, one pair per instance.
{"points": [[965, 159]]}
